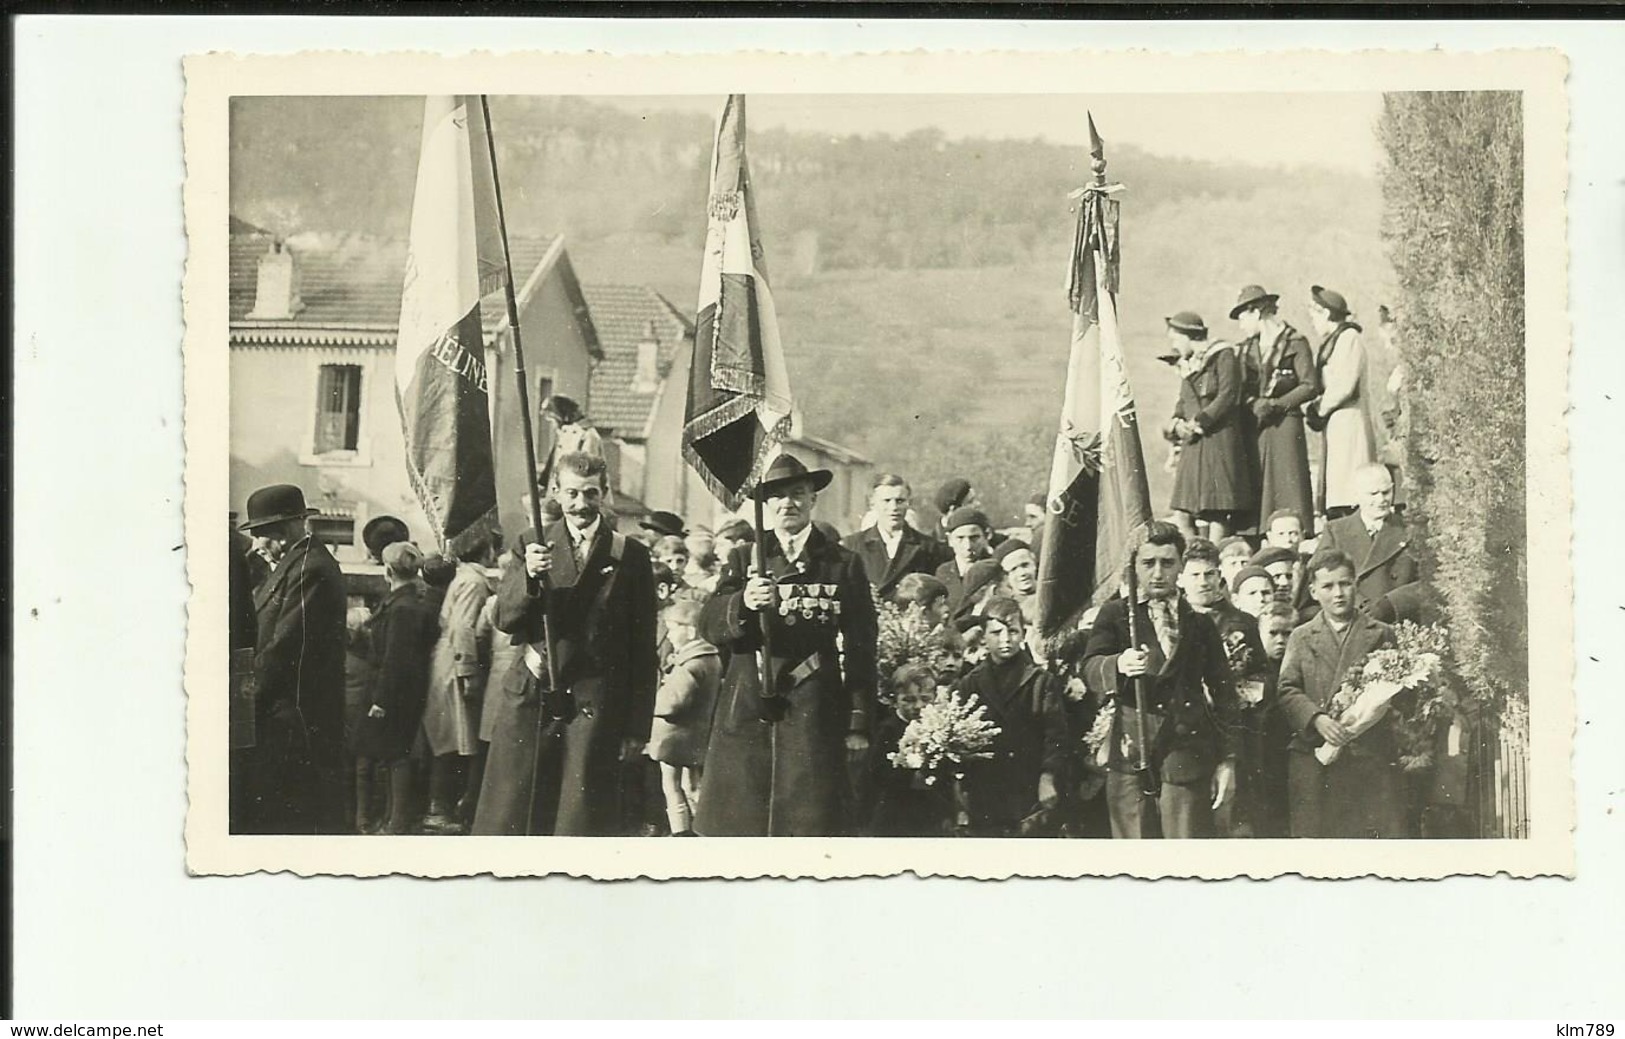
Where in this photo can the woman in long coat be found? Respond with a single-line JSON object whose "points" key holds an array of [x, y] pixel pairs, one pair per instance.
{"points": [[1281, 379], [1348, 440], [1214, 484], [457, 673]]}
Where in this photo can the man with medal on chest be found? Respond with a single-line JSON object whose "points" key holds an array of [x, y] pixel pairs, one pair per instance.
{"points": [[780, 753]]}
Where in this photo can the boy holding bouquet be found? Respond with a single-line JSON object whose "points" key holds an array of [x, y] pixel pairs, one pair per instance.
{"points": [[1005, 794], [1357, 794]]}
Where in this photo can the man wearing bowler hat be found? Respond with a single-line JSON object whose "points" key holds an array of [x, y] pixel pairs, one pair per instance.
{"points": [[778, 759], [295, 782], [1282, 378]]}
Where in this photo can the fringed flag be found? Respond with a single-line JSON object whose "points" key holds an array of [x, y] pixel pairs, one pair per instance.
{"points": [[1098, 496], [454, 258], [739, 400]]}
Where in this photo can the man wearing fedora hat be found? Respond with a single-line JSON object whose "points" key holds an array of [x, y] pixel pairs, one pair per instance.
{"points": [[1282, 378], [779, 758], [584, 594], [1348, 439], [296, 767], [664, 525]]}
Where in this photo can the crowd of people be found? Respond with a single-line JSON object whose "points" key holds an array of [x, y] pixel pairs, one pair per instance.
{"points": [[693, 682]]}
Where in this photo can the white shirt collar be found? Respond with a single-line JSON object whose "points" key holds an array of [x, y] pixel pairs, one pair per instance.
{"points": [[892, 541], [794, 544], [585, 534]]}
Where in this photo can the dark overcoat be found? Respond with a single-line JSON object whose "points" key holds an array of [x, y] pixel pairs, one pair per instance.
{"points": [[403, 632], [1285, 375], [776, 766], [602, 616], [299, 708], [1023, 701], [1360, 794], [1216, 469], [916, 554], [1381, 564], [1190, 697]]}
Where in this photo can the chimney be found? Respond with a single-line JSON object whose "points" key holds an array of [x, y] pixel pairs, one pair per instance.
{"points": [[276, 293], [647, 377]]}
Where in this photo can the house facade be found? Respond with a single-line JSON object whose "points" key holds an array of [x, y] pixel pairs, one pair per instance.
{"points": [[312, 334]]}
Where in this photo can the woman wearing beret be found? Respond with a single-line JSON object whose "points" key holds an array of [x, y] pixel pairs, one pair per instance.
{"points": [[1348, 441], [1281, 379], [1214, 485]]}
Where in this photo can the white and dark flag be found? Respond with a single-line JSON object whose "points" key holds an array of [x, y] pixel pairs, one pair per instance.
{"points": [[454, 258], [739, 401], [1098, 495]]}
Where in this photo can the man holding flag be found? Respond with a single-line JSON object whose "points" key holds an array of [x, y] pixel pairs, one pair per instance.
{"points": [[796, 704], [1146, 658]]}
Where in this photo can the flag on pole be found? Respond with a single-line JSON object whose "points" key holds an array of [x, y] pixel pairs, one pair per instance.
{"points": [[454, 258], [1098, 497], [739, 401]]}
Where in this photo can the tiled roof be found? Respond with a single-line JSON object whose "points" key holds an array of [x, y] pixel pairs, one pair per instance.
{"points": [[353, 280], [622, 314]]}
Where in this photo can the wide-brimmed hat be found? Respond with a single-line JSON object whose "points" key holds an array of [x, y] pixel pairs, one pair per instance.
{"points": [[788, 469], [666, 524], [274, 504], [1331, 300], [1188, 322], [1251, 296]]}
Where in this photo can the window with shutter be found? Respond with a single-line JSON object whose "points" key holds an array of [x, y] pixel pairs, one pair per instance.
{"points": [[338, 408]]}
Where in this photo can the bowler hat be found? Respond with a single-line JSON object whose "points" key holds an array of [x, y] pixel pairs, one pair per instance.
{"points": [[787, 469], [1189, 323], [1331, 300], [1251, 296], [382, 531], [666, 524], [274, 504]]}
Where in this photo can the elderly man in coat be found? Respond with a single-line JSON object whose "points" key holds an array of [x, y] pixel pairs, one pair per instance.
{"points": [[778, 763], [1374, 538], [296, 782], [595, 588], [1360, 793], [891, 549]]}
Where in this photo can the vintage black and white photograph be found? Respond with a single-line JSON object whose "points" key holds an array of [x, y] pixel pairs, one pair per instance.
{"points": [[975, 482]]}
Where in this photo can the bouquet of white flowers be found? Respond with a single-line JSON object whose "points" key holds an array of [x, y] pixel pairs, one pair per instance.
{"points": [[904, 637], [1414, 663], [950, 731]]}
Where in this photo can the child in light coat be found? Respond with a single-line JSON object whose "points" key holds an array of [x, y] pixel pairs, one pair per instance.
{"points": [[683, 707]]}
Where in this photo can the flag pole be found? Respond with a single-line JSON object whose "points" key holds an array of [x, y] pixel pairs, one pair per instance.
{"points": [[530, 447]]}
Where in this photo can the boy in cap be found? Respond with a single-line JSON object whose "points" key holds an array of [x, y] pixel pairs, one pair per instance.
{"points": [[967, 531]]}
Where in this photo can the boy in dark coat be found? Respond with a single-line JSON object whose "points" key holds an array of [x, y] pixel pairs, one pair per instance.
{"points": [[1190, 701], [1005, 794], [403, 635], [1361, 793], [778, 764]]}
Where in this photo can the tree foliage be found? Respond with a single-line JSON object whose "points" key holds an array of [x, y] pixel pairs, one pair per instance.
{"points": [[1454, 227]]}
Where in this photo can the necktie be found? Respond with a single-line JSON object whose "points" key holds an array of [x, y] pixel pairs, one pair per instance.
{"points": [[1167, 625]]}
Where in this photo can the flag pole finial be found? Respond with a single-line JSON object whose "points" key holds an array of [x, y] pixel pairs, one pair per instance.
{"points": [[1097, 153]]}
